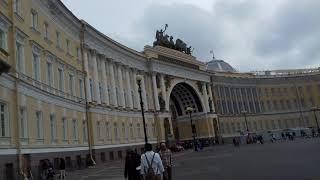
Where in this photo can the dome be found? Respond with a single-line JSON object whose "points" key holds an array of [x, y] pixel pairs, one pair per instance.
{"points": [[220, 66]]}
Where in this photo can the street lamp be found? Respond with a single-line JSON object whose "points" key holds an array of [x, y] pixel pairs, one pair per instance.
{"points": [[193, 128], [245, 119], [315, 109], [139, 79]]}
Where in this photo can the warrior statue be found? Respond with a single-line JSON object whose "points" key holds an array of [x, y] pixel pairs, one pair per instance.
{"points": [[159, 36]]}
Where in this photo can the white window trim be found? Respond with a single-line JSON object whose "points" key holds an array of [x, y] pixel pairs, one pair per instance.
{"points": [[4, 26]]}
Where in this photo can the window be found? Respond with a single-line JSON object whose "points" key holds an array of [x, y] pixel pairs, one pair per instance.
{"points": [[139, 130], [58, 39], [46, 31], [131, 130], [52, 128], [84, 131], [124, 131], [34, 19], [91, 87], [68, 46], [153, 130], [107, 130], [81, 88], [78, 53], [19, 56], [3, 34], [36, 62], [4, 123], [116, 134], [98, 130], [289, 104], [75, 129], [71, 84], [23, 123], [17, 6], [60, 72], [100, 90], [39, 125], [64, 128], [49, 74]]}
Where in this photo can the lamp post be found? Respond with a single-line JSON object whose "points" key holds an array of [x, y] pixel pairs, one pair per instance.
{"points": [[315, 109], [139, 79], [245, 119], [193, 128]]}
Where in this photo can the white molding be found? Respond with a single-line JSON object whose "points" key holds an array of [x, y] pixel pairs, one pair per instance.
{"points": [[11, 151], [121, 145]]}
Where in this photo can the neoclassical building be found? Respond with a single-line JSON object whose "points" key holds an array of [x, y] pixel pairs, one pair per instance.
{"points": [[72, 92]]}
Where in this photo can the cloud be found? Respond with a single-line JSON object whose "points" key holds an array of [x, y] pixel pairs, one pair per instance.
{"points": [[250, 35]]}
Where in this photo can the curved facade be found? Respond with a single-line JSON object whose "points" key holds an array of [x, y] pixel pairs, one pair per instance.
{"points": [[72, 92]]}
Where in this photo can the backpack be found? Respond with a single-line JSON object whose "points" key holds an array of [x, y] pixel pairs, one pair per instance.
{"points": [[150, 174]]}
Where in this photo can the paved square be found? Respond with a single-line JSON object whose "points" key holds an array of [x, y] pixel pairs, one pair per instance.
{"points": [[297, 159]]}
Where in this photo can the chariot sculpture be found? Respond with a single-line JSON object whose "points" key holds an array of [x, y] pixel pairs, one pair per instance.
{"points": [[165, 40]]}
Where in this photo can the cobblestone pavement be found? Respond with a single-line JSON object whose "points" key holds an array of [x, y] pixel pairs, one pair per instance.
{"points": [[292, 160]]}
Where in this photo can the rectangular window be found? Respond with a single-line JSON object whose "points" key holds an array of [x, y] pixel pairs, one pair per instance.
{"points": [[78, 53], [98, 130], [61, 80], [58, 39], [34, 20], [19, 56], [4, 123], [49, 73], [107, 130], [68, 46], [23, 123], [81, 88], [17, 6], [75, 129], [3, 40], [64, 128], [91, 87], [71, 84], [52, 128], [36, 66], [39, 125], [46, 31], [84, 131]]}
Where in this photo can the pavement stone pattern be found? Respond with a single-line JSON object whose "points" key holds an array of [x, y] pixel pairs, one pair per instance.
{"points": [[294, 160]]}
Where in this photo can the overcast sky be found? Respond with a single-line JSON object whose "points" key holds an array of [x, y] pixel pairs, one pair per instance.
{"points": [[249, 34]]}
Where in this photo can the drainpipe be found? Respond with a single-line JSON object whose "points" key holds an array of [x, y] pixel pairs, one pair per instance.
{"points": [[87, 105]]}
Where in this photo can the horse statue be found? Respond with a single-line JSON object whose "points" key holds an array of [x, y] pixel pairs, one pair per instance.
{"points": [[181, 46]]}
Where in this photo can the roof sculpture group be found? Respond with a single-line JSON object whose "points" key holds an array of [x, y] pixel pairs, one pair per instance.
{"points": [[165, 40]]}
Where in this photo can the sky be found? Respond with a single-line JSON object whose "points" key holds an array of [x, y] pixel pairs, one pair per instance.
{"points": [[251, 35]]}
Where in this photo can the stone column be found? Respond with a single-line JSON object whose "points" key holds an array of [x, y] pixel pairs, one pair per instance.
{"points": [[135, 89], [253, 101], [242, 100], [121, 92], [237, 100], [129, 94], [205, 95], [155, 91], [227, 110], [86, 69], [211, 98], [163, 90], [248, 100], [95, 78], [231, 100], [105, 82], [220, 97], [114, 101], [144, 95]]}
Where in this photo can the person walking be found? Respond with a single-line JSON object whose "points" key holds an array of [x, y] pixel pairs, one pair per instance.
{"points": [[166, 157], [62, 168], [151, 164], [131, 163]]}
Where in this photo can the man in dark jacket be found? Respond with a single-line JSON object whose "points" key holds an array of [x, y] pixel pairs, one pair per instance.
{"points": [[132, 162]]}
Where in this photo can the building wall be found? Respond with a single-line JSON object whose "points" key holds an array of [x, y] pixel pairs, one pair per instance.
{"points": [[278, 102]]}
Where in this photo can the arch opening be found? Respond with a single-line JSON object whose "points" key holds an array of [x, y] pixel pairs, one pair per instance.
{"points": [[183, 96]]}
